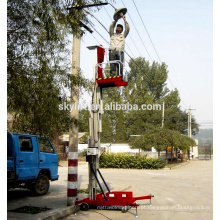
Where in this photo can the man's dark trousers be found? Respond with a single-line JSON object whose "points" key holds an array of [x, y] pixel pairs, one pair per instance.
{"points": [[114, 55]]}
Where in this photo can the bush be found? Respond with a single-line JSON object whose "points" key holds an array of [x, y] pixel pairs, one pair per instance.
{"points": [[133, 162], [82, 153]]}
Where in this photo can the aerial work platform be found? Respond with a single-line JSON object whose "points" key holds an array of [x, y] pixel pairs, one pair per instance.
{"points": [[111, 81], [111, 73], [102, 69]]}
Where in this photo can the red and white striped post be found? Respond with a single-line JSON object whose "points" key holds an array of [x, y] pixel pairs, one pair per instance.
{"points": [[72, 178], [73, 131]]}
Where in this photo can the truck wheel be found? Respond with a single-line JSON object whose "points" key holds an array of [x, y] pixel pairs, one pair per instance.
{"points": [[84, 207], [42, 185]]}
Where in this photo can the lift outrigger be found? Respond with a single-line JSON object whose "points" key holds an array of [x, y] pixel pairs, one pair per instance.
{"points": [[122, 200]]}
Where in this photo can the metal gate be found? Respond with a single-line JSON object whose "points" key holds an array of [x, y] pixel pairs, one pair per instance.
{"points": [[205, 152]]}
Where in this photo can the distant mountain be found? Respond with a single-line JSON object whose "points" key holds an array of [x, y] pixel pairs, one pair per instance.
{"points": [[205, 136]]}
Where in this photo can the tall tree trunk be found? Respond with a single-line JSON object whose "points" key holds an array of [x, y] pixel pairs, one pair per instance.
{"points": [[166, 154], [171, 157]]}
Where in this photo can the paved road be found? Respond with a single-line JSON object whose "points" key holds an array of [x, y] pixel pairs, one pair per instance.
{"points": [[181, 193]]}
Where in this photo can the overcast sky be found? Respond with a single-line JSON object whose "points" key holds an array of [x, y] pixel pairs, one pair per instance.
{"points": [[181, 32]]}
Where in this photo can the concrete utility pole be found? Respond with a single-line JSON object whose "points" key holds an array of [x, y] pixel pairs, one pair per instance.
{"points": [[163, 114], [190, 125], [73, 131], [190, 121]]}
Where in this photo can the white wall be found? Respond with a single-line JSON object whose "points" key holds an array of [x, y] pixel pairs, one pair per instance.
{"points": [[114, 148], [120, 148]]}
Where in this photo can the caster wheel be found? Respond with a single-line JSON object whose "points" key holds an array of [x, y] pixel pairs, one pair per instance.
{"points": [[124, 209], [84, 207]]}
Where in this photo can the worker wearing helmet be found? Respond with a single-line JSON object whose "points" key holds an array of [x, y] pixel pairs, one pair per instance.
{"points": [[117, 44]]}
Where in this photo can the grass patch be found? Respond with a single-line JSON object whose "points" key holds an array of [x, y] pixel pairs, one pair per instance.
{"points": [[30, 209]]}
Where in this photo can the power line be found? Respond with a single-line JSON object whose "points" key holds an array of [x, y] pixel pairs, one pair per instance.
{"points": [[107, 13], [135, 45], [96, 39], [153, 44], [138, 33], [129, 49], [147, 32], [96, 20], [100, 34]]}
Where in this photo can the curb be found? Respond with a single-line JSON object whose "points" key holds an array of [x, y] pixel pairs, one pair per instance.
{"points": [[177, 166], [180, 165], [61, 213]]}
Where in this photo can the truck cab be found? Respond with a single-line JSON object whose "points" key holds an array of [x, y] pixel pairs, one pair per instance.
{"points": [[32, 162]]}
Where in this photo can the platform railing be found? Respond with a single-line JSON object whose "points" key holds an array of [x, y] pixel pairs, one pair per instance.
{"points": [[105, 66]]}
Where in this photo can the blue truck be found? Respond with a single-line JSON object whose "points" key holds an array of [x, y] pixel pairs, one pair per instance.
{"points": [[32, 162]]}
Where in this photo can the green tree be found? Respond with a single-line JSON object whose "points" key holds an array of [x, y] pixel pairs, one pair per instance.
{"points": [[37, 68], [84, 116], [139, 142], [160, 139], [111, 97], [107, 133], [120, 136], [147, 85]]}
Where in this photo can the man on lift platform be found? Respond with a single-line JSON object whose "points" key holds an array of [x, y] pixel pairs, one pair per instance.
{"points": [[117, 44]]}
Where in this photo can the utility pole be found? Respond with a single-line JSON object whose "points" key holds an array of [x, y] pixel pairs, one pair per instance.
{"points": [[190, 121], [190, 125], [73, 131], [163, 114]]}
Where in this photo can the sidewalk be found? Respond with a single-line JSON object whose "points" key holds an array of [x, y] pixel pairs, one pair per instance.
{"points": [[55, 199], [58, 206]]}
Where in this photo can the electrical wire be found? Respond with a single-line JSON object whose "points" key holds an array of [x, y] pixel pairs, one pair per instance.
{"points": [[107, 13], [151, 40], [96, 39], [138, 33], [153, 44], [147, 32], [99, 34], [135, 45], [129, 49], [96, 20]]}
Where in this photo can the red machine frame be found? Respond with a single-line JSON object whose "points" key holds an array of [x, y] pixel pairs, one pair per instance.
{"points": [[104, 82], [115, 200]]}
